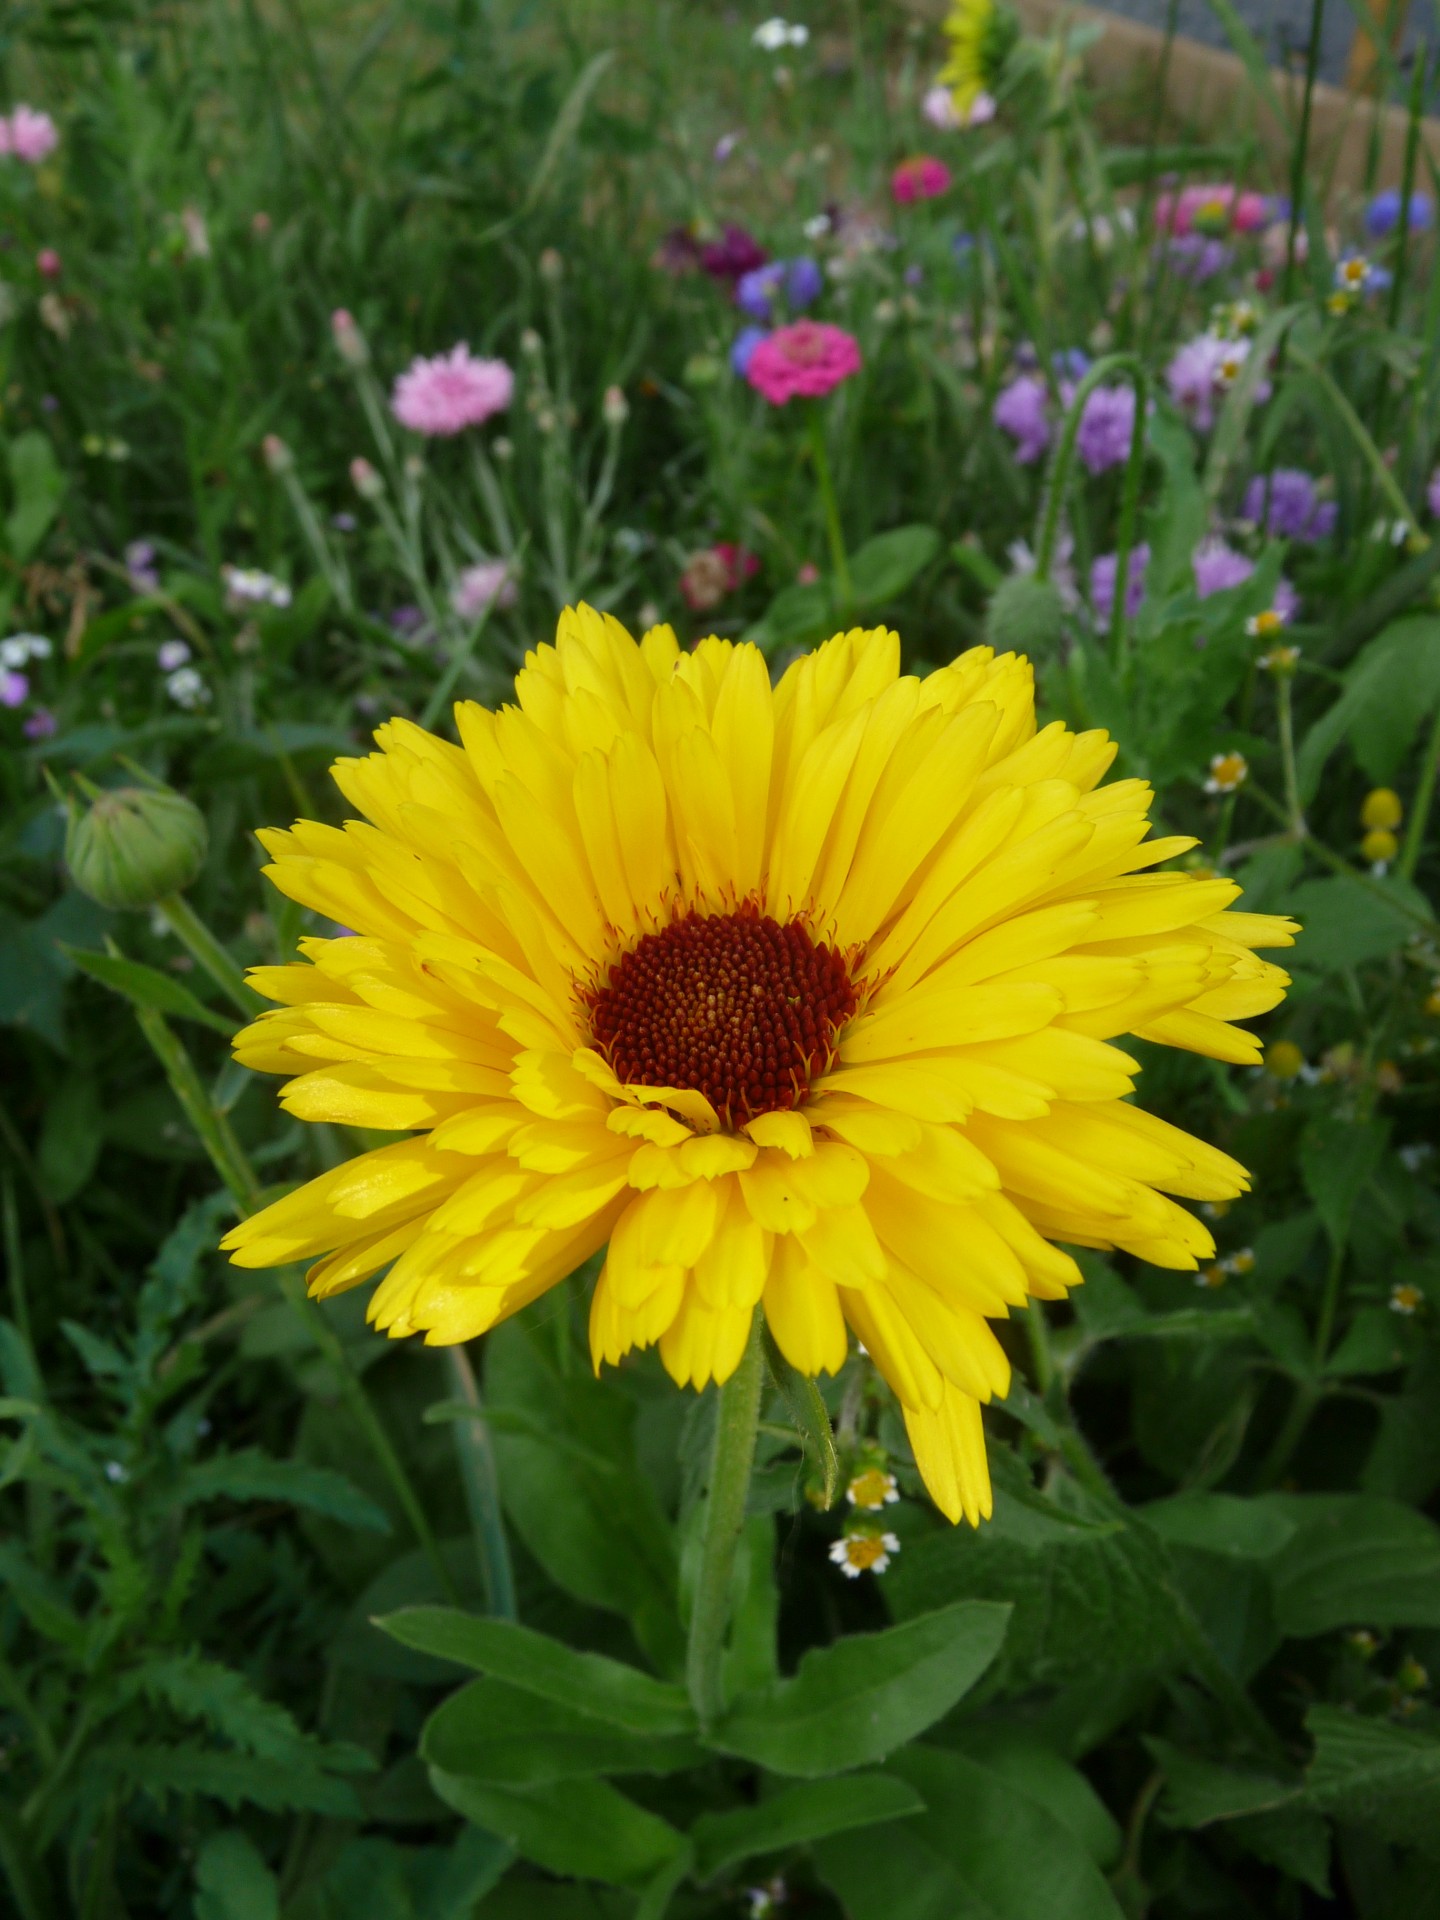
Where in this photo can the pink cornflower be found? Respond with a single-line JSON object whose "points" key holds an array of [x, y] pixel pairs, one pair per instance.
{"points": [[921, 177], [450, 392], [29, 134], [715, 571], [806, 359], [488, 583]]}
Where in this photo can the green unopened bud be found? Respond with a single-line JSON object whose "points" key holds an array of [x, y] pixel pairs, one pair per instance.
{"points": [[133, 845], [1025, 615]]}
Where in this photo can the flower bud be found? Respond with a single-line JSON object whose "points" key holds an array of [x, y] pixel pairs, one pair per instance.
{"points": [[134, 845], [365, 480], [1025, 615], [278, 457], [615, 408], [552, 266], [47, 262], [349, 341]]}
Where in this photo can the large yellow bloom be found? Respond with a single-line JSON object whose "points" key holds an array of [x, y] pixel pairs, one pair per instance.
{"points": [[980, 35], [799, 997]]}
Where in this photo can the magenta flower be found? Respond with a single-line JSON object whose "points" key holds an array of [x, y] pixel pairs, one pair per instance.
{"points": [[1020, 411], [806, 359], [47, 262], [1211, 209], [29, 135], [488, 583], [1106, 427], [921, 177], [450, 392], [1103, 572], [736, 252]]}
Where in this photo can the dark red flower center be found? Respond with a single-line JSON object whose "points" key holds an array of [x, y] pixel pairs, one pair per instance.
{"points": [[735, 1005]]}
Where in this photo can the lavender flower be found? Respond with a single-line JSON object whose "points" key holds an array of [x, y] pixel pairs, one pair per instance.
{"points": [[1020, 411], [1106, 428], [1103, 572], [1218, 567], [745, 343], [1295, 512], [140, 566]]}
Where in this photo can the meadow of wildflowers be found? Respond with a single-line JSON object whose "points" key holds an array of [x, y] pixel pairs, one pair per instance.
{"points": [[959, 1435]]}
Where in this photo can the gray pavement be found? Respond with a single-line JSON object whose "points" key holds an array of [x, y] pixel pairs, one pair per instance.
{"points": [[1283, 27]]}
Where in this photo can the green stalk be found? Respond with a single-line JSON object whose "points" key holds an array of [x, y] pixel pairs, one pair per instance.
{"points": [[482, 1494], [831, 509], [207, 951], [229, 1160], [1420, 807], [1058, 479], [1040, 1354], [725, 1499], [1287, 758], [1129, 512], [1418, 75], [1302, 147]]}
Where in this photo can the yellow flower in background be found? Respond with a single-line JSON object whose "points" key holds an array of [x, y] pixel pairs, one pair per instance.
{"points": [[798, 997], [980, 34]]}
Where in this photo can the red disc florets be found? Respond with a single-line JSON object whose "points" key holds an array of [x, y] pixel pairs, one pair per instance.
{"points": [[733, 1004]]}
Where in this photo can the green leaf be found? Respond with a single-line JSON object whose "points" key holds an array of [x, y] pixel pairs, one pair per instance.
{"points": [[1199, 1792], [1337, 1158], [884, 567], [1390, 686], [37, 488], [224, 1700], [1221, 1523], [71, 1136], [252, 1475], [588, 1682], [981, 1850], [1374, 1774], [491, 1730], [236, 1779], [1344, 922], [148, 987], [807, 1409], [796, 1816], [34, 966], [598, 1531], [1356, 1560], [582, 1827], [376, 1879], [232, 1882], [40, 1600], [1294, 1839], [1035, 1769], [798, 613], [864, 1696]]}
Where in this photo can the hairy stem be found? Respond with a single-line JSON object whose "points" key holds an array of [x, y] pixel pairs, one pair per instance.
{"points": [[725, 1499]]}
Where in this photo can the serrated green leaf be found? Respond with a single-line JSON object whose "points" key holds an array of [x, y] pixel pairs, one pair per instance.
{"points": [[1355, 1561], [798, 1815], [1375, 1774], [252, 1475], [866, 1695], [1390, 686], [147, 987], [232, 1882], [1344, 923], [606, 1689], [1337, 1158], [161, 1770], [582, 1827], [224, 1700]]}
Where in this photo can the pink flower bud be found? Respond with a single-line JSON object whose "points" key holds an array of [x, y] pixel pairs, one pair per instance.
{"points": [[48, 263], [365, 480], [349, 341], [278, 457]]}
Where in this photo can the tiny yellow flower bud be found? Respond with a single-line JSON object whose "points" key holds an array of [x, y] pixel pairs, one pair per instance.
{"points": [[1381, 807], [1379, 847], [1283, 1060]]}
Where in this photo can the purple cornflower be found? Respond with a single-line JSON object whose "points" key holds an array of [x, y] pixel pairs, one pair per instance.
{"points": [[1197, 376], [1020, 411], [140, 566], [1197, 257], [1218, 567], [14, 688], [743, 347], [1103, 570], [38, 725], [1106, 427], [1382, 216], [799, 281], [1296, 512]]}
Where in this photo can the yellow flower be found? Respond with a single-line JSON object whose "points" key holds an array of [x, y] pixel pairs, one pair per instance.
{"points": [[1227, 772], [981, 34], [799, 998], [1381, 808], [1379, 847], [1263, 626]]}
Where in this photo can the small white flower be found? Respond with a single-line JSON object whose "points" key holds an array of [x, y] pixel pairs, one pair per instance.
{"points": [[863, 1552], [187, 689], [22, 647], [172, 654], [774, 35], [115, 1473], [250, 587], [817, 226]]}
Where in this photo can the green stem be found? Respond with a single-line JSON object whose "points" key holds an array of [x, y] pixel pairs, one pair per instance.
{"points": [[1302, 147], [1058, 478], [1337, 864], [1383, 476], [207, 951], [1129, 512], [229, 1160], [831, 508], [1420, 807], [1040, 1352], [725, 1499], [1287, 758], [1308, 1392], [482, 1493]]}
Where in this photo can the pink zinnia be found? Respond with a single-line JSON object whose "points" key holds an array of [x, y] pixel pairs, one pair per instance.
{"points": [[450, 392], [31, 136], [1211, 209], [922, 177], [807, 359]]}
